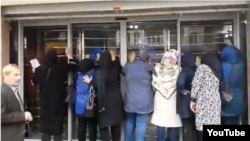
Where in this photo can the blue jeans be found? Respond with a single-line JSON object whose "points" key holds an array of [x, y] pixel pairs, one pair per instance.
{"points": [[138, 122], [172, 134]]}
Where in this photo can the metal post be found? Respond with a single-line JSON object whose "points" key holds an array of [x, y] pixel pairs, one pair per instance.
{"points": [[21, 58], [248, 58], [69, 43], [179, 38], [123, 42], [165, 40], [82, 44], [169, 44], [236, 30], [179, 60], [123, 56]]}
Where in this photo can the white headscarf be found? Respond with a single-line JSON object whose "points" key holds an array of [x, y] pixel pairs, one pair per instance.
{"points": [[167, 72]]}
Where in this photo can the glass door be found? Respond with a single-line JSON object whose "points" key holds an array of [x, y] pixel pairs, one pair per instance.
{"points": [[200, 37], [157, 36], [89, 40], [36, 41]]}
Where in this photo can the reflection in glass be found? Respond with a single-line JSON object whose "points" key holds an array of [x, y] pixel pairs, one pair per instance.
{"points": [[13, 52], [158, 36], [36, 41], [90, 37], [205, 36]]}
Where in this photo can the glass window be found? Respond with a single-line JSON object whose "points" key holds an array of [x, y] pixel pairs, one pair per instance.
{"points": [[158, 36], [205, 36], [36, 41], [87, 38]]}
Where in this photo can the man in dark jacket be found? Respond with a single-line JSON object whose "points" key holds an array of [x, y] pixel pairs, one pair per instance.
{"points": [[13, 117]]}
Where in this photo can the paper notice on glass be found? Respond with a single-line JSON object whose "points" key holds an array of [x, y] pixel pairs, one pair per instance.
{"points": [[34, 63]]}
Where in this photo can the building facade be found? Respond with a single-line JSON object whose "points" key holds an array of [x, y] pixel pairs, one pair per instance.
{"points": [[84, 26]]}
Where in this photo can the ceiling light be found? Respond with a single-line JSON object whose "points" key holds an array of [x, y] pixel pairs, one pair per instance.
{"points": [[136, 26], [131, 26]]}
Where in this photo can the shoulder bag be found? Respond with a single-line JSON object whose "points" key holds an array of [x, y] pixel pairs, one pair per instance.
{"points": [[46, 79], [47, 76], [71, 96], [226, 89], [91, 104]]}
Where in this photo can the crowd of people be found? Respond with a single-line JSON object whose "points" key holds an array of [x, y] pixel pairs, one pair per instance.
{"points": [[178, 97]]}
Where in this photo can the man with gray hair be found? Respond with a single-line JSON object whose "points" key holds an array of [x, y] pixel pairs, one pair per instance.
{"points": [[13, 117]]}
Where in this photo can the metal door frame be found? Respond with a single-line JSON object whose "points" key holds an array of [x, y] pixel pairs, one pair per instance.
{"points": [[123, 36]]}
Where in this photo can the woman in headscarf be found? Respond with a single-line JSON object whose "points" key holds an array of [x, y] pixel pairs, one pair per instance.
{"points": [[165, 115], [95, 54], [86, 68], [233, 74], [205, 96], [183, 96], [110, 103], [139, 95], [51, 77]]}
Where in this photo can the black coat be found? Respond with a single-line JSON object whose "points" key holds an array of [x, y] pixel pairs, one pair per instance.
{"points": [[183, 101], [52, 95], [12, 116], [114, 113]]}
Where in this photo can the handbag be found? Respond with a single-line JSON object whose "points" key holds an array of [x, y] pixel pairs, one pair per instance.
{"points": [[226, 89], [71, 96], [91, 104], [28, 129]]}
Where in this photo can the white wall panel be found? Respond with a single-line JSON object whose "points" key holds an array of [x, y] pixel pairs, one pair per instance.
{"points": [[25, 2], [108, 6], [183, 17]]}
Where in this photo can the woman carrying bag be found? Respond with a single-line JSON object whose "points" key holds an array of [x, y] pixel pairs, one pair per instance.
{"points": [[85, 104]]}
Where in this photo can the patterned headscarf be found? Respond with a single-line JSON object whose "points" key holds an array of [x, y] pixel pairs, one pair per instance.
{"points": [[170, 57], [168, 72]]}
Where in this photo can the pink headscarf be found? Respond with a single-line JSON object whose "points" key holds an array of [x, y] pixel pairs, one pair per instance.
{"points": [[170, 56]]}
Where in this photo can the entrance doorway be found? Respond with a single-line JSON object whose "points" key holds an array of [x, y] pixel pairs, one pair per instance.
{"points": [[87, 39], [159, 35], [37, 40], [91, 39]]}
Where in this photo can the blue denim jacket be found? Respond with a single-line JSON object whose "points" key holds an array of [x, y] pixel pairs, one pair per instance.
{"points": [[139, 96]]}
